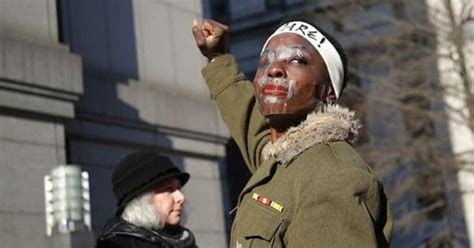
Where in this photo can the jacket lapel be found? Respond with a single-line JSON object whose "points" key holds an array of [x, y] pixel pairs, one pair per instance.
{"points": [[262, 173]]}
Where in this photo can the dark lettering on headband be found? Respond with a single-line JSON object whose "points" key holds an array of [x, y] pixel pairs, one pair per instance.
{"points": [[312, 35], [302, 28], [286, 26], [321, 42], [292, 26]]}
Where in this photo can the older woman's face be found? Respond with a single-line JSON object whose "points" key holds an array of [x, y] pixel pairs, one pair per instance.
{"points": [[289, 77], [168, 200]]}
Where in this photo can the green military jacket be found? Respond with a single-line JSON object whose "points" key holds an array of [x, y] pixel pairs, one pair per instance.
{"points": [[308, 189]]}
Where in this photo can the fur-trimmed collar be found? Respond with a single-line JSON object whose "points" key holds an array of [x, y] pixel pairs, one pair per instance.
{"points": [[332, 123]]}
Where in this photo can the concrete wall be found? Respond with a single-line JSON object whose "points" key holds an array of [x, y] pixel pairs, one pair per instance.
{"points": [[170, 92], [106, 78], [30, 20], [29, 149], [143, 89], [40, 80]]}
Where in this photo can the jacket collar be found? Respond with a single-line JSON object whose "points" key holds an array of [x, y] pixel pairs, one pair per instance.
{"points": [[331, 123], [180, 237]]}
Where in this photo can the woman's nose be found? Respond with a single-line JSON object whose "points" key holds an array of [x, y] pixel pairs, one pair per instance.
{"points": [[276, 70], [179, 196]]}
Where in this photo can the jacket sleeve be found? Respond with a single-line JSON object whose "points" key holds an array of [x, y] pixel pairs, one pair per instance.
{"points": [[344, 210], [236, 102]]}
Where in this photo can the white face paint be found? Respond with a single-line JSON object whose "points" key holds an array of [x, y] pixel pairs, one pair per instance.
{"points": [[271, 99], [284, 53], [279, 85]]}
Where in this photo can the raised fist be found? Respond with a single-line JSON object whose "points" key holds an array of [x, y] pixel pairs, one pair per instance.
{"points": [[211, 37]]}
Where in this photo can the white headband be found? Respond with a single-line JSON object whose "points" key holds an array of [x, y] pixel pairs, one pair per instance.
{"points": [[325, 48]]}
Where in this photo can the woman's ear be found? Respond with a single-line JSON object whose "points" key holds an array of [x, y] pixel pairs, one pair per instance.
{"points": [[330, 95]]}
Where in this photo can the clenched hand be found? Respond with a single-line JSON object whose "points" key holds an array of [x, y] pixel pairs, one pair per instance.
{"points": [[211, 37]]}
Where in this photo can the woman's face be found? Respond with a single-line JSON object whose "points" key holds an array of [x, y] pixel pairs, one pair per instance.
{"points": [[168, 200], [291, 77]]}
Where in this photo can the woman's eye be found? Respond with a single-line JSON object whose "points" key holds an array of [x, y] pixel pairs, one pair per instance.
{"points": [[298, 61]]}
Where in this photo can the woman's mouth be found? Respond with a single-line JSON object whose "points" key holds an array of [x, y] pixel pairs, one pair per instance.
{"points": [[274, 90]]}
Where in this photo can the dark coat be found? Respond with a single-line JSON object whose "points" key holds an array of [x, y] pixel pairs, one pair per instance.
{"points": [[119, 233]]}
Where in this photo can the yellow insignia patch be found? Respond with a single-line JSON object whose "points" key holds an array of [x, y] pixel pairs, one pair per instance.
{"points": [[267, 202]]}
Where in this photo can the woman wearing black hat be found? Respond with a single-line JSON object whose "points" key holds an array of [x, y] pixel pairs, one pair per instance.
{"points": [[150, 204]]}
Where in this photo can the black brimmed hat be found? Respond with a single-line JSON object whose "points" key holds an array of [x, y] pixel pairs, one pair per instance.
{"points": [[138, 172]]}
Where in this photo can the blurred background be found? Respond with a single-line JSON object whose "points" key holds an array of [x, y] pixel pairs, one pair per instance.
{"points": [[86, 82]]}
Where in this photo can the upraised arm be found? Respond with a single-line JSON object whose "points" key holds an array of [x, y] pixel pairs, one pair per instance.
{"points": [[231, 91]]}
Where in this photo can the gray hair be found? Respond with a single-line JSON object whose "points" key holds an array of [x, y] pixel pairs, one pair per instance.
{"points": [[141, 212]]}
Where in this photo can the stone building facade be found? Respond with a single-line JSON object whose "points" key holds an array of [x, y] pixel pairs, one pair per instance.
{"points": [[86, 82]]}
